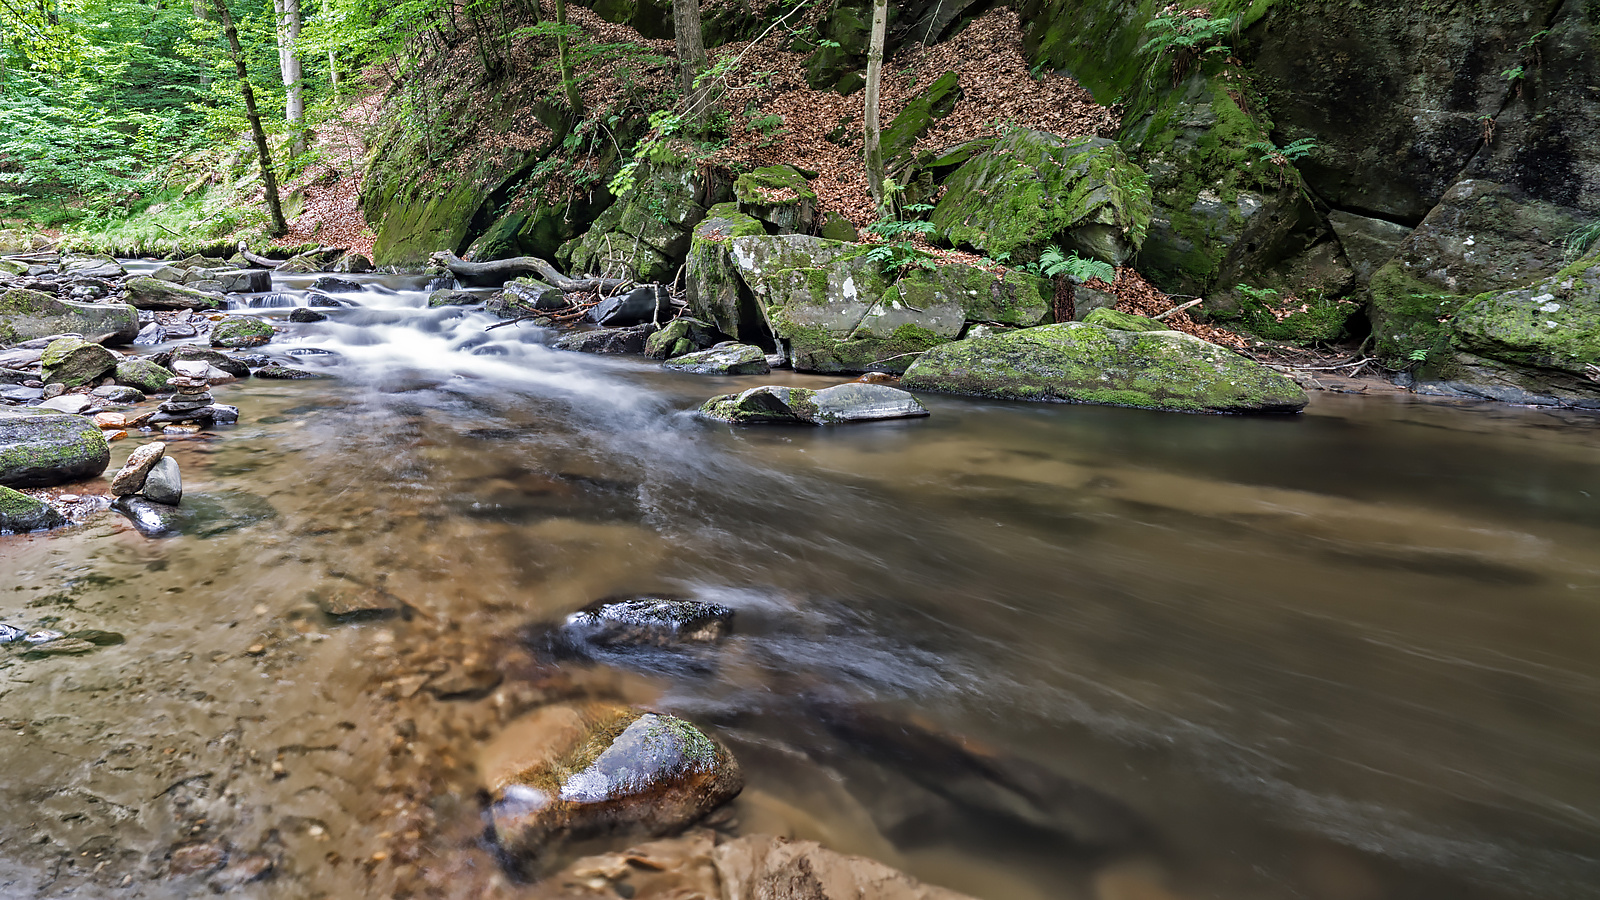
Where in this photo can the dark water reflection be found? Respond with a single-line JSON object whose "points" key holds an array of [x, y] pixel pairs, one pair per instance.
{"points": [[1348, 654]]}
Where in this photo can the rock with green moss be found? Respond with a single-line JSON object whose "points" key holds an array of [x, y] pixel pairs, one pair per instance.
{"points": [[1032, 190], [713, 288], [645, 234], [20, 514], [842, 49], [682, 335], [919, 114], [37, 450], [28, 315], [780, 196], [568, 772], [1409, 314], [144, 375], [1122, 321], [241, 331], [145, 292], [728, 358], [91, 267], [74, 362], [449, 297], [1306, 321], [1076, 362], [838, 405]]}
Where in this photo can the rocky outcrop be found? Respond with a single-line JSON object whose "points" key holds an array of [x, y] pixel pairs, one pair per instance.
{"points": [[569, 771], [840, 404], [41, 450], [836, 310], [1082, 363], [645, 235], [1030, 190], [714, 289], [28, 315]]}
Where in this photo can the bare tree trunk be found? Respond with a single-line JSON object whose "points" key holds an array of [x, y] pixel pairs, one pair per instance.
{"points": [[569, 79], [270, 180], [874, 146], [333, 63], [687, 32], [294, 104]]}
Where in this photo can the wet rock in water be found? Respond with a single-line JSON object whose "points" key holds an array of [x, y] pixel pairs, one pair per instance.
{"points": [[335, 285], [463, 683], [26, 315], [143, 375], [38, 450], [356, 603], [10, 633], [98, 637], [68, 403], [279, 372], [42, 635], [840, 404], [449, 297], [647, 622], [724, 359], [322, 301], [119, 393], [145, 292], [74, 361], [1079, 363], [20, 514], [62, 646], [245, 870], [195, 859], [351, 264], [650, 303], [148, 518], [222, 414], [235, 366], [682, 335], [164, 484], [130, 478], [569, 771], [306, 314], [21, 394], [153, 333], [112, 421], [607, 340], [241, 331]]}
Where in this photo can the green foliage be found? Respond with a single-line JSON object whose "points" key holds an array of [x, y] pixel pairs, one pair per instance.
{"points": [[1179, 37], [1311, 319], [1418, 355], [896, 250], [1053, 264], [1579, 240]]}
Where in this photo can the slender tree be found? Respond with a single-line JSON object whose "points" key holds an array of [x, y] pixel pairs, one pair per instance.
{"points": [[686, 30], [294, 103], [874, 146], [569, 79], [333, 63], [274, 207]]}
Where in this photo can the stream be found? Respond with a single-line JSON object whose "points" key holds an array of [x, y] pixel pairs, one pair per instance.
{"points": [[1019, 651]]}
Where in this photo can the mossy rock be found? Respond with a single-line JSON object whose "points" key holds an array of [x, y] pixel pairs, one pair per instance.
{"points": [[845, 33], [1316, 319], [1076, 362], [716, 293], [20, 514], [241, 331], [915, 119], [682, 335], [1409, 315], [145, 292], [74, 362], [144, 375], [1032, 189], [780, 196], [29, 315], [1123, 321], [38, 450]]}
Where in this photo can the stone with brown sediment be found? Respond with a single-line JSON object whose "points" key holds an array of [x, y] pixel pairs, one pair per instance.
{"points": [[130, 479]]}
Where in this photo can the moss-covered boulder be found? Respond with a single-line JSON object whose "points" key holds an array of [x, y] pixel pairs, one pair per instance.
{"points": [[682, 335], [780, 196], [450, 297], [241, 331], [144, 375], [1080, 363], [28, 315], [713, 288], [645, 234], [91, 267], [1122, 321], [39, 450], [925, 107], [145, 292], [74, 362], [838, 405], [728, 358], [568, 772], [20, 514], [1032, 189]]}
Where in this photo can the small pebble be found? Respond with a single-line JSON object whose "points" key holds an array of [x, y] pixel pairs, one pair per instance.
{"points": [[256, 649], [39, 637], [68, 498]]}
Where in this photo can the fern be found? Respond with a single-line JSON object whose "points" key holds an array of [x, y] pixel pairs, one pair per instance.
{"points": [[1053, 263], [1579, 240]]}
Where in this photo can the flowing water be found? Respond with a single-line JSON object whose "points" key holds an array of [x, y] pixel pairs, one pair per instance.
{"points": [[1013, 649]]}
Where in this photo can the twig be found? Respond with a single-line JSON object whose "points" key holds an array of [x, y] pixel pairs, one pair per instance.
{"points": [[1344, 365], [1178, 309]]}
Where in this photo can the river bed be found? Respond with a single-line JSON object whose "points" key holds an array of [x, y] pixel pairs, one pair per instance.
{"points": [[1347, 654]]}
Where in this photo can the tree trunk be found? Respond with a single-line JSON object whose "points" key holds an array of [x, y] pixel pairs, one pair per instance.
{"points": [[569, 79], [270, 180], [687, 32], [294, 104], [333, 63], [874, 148]]}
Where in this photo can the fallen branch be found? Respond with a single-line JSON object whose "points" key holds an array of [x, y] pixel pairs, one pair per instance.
{"points": [[1344, 365], [1178, 309], [500, 271]]}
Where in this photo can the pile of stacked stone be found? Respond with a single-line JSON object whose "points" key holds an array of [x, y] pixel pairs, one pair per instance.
{"points": [[193, 401]]}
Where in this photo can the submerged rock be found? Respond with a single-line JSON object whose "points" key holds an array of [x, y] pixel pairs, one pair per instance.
{"points": [[723, 359], [38, 450], [10, 633], [840, 404], [1079, 363], [278, 372], [20, 514], [568, 771], [149, 519], [647, 621], [607, 340]]}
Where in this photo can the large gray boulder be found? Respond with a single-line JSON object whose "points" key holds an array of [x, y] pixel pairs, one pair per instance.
{"points": [[574, 771], [151, 293], [28, 315], [713, 287], [724, 359], [1080, 363], [836, 310], [40, 450], [838, 405]]}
